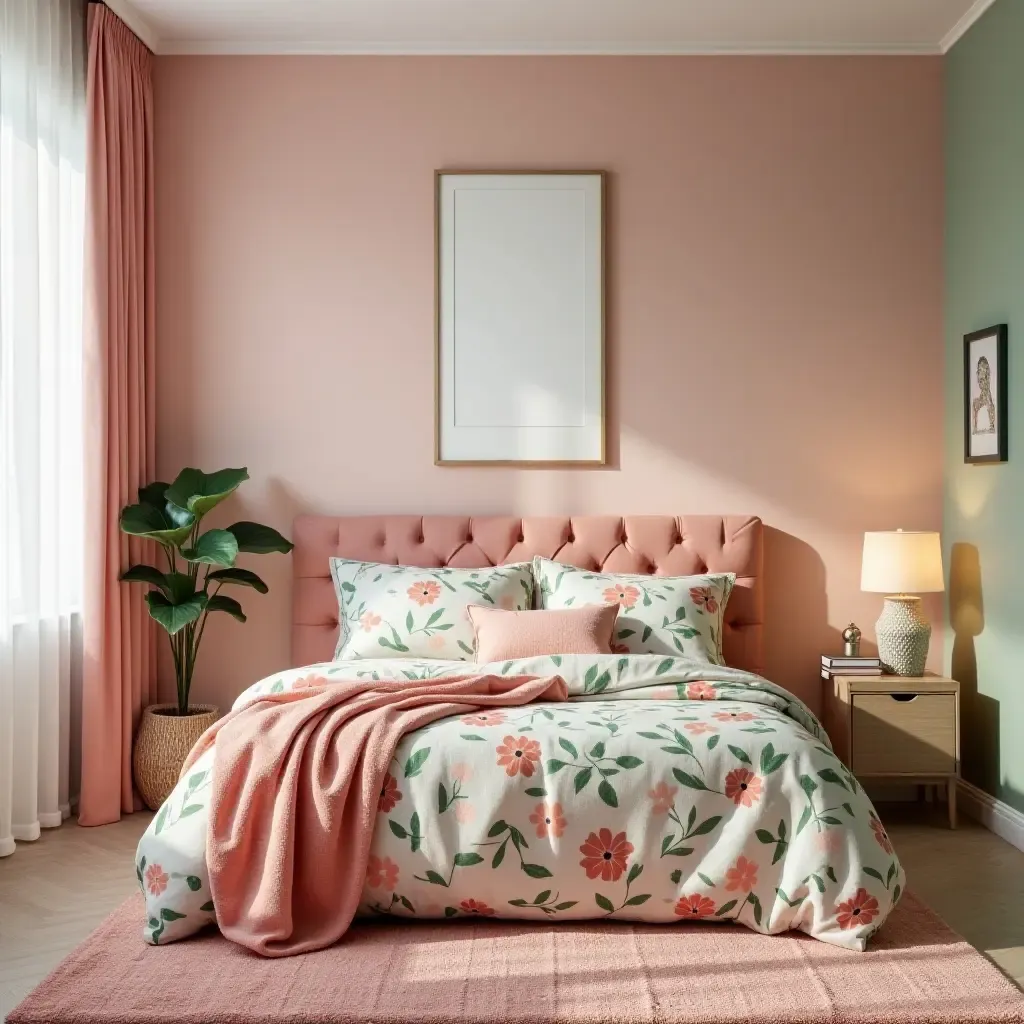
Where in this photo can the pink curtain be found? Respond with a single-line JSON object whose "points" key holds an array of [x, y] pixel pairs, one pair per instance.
{"points": [[120, 651]]}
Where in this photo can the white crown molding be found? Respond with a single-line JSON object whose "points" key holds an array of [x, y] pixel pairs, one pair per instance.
{"points": [[135, 20], [144, 29], [960, 29], [998, 817], [229, 47]]}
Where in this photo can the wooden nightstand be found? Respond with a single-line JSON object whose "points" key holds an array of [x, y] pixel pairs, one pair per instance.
{"points": [[897, 727]]}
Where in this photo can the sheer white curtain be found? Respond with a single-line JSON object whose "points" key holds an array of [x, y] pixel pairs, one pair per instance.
{"points": [[42, 169]]}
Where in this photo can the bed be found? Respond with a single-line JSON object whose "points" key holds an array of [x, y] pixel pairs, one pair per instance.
{"points": [[664, 789]]}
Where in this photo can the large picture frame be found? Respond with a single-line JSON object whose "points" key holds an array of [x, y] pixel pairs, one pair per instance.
{"points": [[520, 318], [986, 395]]}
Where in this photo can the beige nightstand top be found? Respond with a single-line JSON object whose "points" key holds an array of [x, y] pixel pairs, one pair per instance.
{"points": [[928, 683]]}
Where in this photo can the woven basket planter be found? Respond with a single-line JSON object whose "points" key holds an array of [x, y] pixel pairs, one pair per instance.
{"points": [[162, 744]]}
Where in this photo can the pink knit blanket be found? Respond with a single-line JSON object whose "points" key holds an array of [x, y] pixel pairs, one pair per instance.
{"points": [[296, 780]]}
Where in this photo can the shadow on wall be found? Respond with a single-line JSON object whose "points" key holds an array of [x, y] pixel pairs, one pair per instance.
{"points": [[979, 727], [800, 612], [796, 611]]}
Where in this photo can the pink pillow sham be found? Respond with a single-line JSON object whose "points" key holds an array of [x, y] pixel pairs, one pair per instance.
{"points": [[502, 635]]}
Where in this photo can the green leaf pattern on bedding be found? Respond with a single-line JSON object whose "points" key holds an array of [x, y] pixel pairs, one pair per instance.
{"points": [[664, 790]]}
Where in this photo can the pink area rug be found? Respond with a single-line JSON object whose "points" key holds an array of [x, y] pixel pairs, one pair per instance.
{"points": [[392, 972]]}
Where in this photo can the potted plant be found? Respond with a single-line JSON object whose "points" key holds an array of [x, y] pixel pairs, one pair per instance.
{"points": [[181, 599]]}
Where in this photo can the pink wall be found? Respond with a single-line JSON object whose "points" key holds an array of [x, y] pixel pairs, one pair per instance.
{"points": [[775, 333]]}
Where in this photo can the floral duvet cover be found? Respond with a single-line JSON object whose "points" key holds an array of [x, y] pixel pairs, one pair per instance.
{"points": [[663, 790]]}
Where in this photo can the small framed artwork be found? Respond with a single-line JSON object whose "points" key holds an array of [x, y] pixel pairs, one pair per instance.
{"points": [[520, 306], [985, 395]]}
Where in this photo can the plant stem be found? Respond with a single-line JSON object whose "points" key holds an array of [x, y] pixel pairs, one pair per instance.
{"points": [[177, 648], [177, 667], [196, 637]]}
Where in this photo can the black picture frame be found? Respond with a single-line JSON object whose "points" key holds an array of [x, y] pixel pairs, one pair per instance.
{"points": [[975, 391]]}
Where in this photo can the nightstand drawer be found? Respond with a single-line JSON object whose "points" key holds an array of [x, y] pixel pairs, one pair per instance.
{"points": [[904, 734]]}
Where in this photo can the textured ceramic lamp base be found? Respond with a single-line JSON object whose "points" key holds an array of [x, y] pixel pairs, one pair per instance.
{"points": [[903, 635]]}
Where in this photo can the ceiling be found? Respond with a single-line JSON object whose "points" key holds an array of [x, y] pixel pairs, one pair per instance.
{"points": [[550, 26]]}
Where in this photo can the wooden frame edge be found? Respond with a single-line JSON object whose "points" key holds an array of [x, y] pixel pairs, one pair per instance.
{"points": [[1001, 333], [598, 463]]}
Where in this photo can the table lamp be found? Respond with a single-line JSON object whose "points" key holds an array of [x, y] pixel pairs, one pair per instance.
{"points": [[900, 563]]}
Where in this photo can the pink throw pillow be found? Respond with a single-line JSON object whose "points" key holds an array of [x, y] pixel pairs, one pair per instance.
{"points": [[502, 635]]}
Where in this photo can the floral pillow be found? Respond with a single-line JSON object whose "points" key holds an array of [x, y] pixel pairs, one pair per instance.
{"points": [[399, 611], [678, 615]]}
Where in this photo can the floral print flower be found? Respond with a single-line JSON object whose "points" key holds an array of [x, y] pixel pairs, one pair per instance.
{"points": [[741, 877], [701, 691], [605, 855], [381, 873], [704, 597], [696, 907], [518, 755], [735, 716], [156, 879], [626, 597], [699, 728], [880, 834], [548, 821], [461, 772], [389, 794], [307, 681], [465, 812], [424, 592], [743, 787], [436, 642], [476, 907], [485, 718], [369, 621], [619, 649], [861, 909], [664, 797]]}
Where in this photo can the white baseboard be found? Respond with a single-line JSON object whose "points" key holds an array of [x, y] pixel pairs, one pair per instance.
{"points": [[998, 817]]}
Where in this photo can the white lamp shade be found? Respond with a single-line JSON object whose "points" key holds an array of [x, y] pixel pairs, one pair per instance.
{"points": [[901, 562]]}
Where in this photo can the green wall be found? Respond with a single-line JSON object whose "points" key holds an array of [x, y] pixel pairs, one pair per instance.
{"points": [[984, 505]]}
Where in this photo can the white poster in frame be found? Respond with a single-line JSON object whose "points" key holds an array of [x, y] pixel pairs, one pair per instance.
{"points": [[520, 278]]}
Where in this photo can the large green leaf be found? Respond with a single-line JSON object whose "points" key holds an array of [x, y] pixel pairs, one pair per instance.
{"points": [[175, 617], [215, 547], [165, 525], [220, 603], [243, 577], [199, 492], [181, 587], [146, 574], [153, 494], [177, 587], [258, 539]]}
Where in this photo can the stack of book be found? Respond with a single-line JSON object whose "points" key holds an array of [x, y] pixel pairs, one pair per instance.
{"points": [[841, 665]]}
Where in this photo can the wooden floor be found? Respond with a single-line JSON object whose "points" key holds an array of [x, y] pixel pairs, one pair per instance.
{"points": [[55, 891]]}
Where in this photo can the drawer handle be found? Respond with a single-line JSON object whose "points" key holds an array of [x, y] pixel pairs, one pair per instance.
{"points": [[904, 698]]}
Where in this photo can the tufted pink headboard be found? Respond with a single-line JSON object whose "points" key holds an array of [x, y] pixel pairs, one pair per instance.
{"points": [[657, 545]]}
